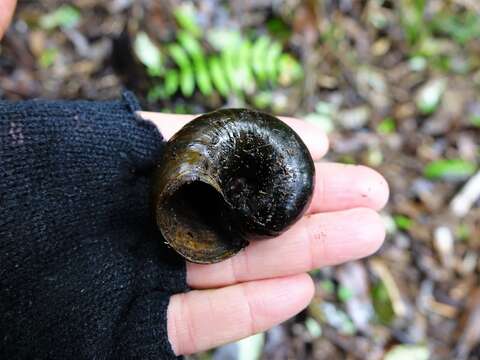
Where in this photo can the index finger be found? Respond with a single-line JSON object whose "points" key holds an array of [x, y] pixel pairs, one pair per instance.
{"points": [[313, 137]]}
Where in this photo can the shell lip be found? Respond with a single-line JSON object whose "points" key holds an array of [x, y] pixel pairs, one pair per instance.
{"points": [[199, 259], [189, 236]]}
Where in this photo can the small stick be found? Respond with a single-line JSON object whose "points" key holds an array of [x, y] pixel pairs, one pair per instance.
{"points": [[464, 200]]}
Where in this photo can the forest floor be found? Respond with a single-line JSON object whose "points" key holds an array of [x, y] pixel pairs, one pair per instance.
{"points": [[395, 84]]}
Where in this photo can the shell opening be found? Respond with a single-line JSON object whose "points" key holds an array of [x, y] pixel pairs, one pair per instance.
{"points": [[202, 222]]}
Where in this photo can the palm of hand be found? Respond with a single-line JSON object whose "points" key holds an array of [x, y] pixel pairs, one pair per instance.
{"points": [[267, 282]]}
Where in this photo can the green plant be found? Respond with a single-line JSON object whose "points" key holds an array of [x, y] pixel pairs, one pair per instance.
{"points": [[449, 169], [344, 294], [382, 303], [403, 222], [412, 20], [461, 27], [47, 57], [475, 120], [223, 62], [386, 126], [65, 16]]}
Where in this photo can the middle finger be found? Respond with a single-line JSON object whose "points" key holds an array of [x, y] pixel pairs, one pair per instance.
{"points": [[341, 187], [316, 240]]}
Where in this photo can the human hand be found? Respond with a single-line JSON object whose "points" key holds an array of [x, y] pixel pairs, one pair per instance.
{"points": [[6, 12], [267, 282]]}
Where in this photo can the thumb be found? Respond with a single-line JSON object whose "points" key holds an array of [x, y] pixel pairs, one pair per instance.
{"points": [[314, 137], [167, 124]]}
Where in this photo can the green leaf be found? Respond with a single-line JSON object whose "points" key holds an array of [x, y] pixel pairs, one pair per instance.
{"points": [[462, 232], [194, 49], [47, 57], [313, 327], [410, 352], [65, 16], [328, 286], [461, 27], [262, 99], [315, 273], [403, 222], [449, 169], [347, 159], [181, 108], [412, 20], [289, 70], [382, 304], [475, 120], [191, 45], [187, 81], [180, 57], [259, 55], [344, 294], [281, 29], [271, 61], [203, 78], [244, 66], [231, 61], [156, 93], [186, 17], [218, 76], [171, 82], [187, 76], [386, 126], [229, 64], [220, 39], [148, 53]]}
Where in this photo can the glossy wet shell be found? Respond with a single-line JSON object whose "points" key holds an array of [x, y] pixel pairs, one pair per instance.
{"points": [[229, 177]]}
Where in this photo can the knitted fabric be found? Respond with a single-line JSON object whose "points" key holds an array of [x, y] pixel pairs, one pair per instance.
{"points": [[84, 272]]}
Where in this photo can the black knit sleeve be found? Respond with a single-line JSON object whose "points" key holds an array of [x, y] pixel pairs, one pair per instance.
{"points": [[84, 273]]}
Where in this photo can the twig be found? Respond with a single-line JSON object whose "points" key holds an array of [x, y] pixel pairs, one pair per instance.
{"points": [[464, 200]]}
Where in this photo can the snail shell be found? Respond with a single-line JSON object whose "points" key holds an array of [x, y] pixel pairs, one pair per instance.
{"points": [[229, 177]]}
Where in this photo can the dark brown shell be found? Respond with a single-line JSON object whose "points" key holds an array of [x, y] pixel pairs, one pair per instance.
{"points": [[229, 177]]}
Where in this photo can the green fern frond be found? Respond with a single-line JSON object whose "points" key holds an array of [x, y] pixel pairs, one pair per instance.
{"points": [[234, 64], [218, 76], [195, 50], [259, 55]]}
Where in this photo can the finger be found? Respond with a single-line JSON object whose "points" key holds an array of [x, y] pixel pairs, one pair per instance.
{"points": [[315, 241], [340, 187], [168, 124], [201, 320], [6, 11], [312, 136]]}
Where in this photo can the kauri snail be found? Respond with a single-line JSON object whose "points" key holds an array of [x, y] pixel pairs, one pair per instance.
{"points": [[228, 177]]}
